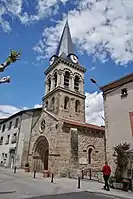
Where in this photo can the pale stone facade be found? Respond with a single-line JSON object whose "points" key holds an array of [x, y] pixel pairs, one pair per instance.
{"points": [[14, 137], [118, 108]]}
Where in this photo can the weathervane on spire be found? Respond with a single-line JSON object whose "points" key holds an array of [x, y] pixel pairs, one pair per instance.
{"points": [[13, 57]]}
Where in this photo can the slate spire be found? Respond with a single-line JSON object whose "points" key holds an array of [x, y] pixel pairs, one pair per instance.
{"points": [[65, 45]]}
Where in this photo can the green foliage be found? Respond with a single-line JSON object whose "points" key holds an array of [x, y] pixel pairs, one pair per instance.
{"points": [[122, 158]]}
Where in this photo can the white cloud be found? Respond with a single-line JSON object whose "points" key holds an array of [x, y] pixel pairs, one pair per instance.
{"points": [[37, 106], [99, 27], [18, 9], [7, 110], [93, 108]]}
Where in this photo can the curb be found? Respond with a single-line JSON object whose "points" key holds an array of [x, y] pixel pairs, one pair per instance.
{"points": [[111, 195]]}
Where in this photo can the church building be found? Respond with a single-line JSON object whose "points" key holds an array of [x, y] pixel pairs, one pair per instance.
{"points": [[61, 142]]}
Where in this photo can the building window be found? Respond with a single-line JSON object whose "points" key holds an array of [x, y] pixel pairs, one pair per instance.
{"points": [[77, 106], [49, 84], [90, 155], [46, 104], [124, 92], [8, 138], [76, 83], [55, 79], [66, 79], [1, 140], [3, 128], [14, 138], [10, 125], [66, 101], [16, 123]]}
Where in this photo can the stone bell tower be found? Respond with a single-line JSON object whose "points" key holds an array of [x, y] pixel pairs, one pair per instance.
{"points": [[64, 89]]}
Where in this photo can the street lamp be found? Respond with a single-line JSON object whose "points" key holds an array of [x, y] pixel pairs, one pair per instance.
{"points": [[94, 82]]}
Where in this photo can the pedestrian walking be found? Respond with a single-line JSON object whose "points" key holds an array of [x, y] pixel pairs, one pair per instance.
{"points": [[106, 174]]}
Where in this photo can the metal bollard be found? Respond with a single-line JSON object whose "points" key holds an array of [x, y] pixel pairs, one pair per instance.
{"points": [[52, 178], [78, 182], [15, 168], [90, 174], [34, 174], [82, 174]]}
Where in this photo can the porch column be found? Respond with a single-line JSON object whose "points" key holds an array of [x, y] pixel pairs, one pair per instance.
{"points": [[46, 87], [71, 82], [52, 83], [81, 86]]}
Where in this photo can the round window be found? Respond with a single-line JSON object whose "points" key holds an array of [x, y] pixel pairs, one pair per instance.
{"points": [[42, 125]]}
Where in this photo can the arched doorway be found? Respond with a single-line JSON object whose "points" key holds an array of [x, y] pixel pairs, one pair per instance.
{"points": [[40, 154]]}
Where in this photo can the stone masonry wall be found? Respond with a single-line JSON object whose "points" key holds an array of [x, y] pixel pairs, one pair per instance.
{"points": [[95, 140], [58, 140]]}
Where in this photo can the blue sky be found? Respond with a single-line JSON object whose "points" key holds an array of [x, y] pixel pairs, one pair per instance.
{"points": [[35, 28]]}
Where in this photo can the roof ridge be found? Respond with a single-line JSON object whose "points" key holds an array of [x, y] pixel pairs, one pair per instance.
{"points": [[84, 123], [51, 114]]}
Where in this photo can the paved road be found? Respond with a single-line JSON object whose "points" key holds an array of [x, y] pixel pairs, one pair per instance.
{"points": [[80, 195], [23, 185]]}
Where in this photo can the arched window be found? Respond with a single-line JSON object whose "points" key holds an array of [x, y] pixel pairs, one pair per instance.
{"points": [[49, 84], [55, 79], [66, 101], [77, 106], [90, 155], [66, 79], [52, 103], [90, 150], [46, 104], [76, 83]]}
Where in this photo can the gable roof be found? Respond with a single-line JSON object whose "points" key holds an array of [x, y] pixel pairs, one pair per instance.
{"points": [[86, 125], [51, 114], [19, 113], [118, 83]]}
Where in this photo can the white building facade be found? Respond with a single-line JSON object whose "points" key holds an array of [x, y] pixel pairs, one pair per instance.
{"points": [[14, 133], [118, 108]]}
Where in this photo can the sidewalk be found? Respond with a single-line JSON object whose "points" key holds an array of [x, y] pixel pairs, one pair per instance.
{"points": [[65, 184]]}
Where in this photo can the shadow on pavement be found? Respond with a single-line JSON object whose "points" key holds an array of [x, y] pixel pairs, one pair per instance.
{"points": [[77, 195], [7, 192]]}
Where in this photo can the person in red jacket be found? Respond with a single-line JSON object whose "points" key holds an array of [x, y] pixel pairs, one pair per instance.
{"points": [[106, 174]]}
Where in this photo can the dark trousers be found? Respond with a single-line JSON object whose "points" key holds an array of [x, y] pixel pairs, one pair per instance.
{"points": [[106, 179]]}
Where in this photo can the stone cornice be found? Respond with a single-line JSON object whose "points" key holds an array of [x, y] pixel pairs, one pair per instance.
{"points": [[65, 90], [67, 62]]}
